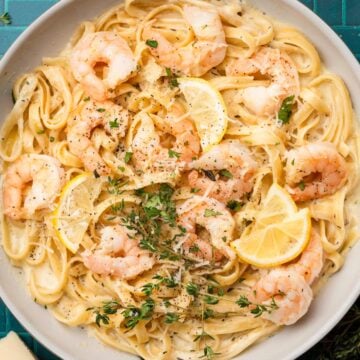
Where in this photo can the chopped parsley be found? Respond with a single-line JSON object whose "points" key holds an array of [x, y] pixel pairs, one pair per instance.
{"points": [[234, 205], [171, 78], [152, 43], [100, 110], [210, 213], [226, 173], [114, 124], [285, 111], [173, 154], [128, 156]]}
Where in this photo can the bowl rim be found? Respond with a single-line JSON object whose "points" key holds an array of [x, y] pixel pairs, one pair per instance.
{"points": [[351, 61]]}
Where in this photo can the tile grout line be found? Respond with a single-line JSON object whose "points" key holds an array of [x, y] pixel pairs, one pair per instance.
{"points": [[315, 6], [343, 12]]}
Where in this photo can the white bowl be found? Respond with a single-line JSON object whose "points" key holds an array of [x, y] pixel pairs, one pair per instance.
{"points": [[46, 37]]}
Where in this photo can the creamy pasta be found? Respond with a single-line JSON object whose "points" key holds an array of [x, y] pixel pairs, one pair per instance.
{"points": [[181, 179]]}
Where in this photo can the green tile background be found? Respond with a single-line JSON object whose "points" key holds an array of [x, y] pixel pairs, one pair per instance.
{"points": [[342, 15]]}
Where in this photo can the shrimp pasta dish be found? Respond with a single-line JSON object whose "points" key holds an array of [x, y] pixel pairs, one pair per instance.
{"points": [[181, 180]]}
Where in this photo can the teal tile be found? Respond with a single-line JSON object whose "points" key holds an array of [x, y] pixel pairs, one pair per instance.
{"points": [[352, 12], [25, 12], [351, 36], [308, 3], [330, 11], [3, 329], [7, 37], [44, 354], [14, 324], [28, 340]]}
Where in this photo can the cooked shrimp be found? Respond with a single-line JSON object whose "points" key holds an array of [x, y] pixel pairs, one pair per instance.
{"points": [[42, 173], [93, 115], [118, 255], [315, 170], [311, 261], [288, 289], [201, 55], [150, 155], [102, 48], [187, 142], [240, 167], [261, 100], [216, 219]]}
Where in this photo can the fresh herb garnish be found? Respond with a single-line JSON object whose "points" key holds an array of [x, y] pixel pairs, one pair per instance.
{"points": [[134, 315], [285, 111], [5, 18], [170, 282], [257, 309], [194, 190], [209, 353], [171, 78], [114, 124], [211, 300], [226, 173], [208, 313], [156, 210], [40, 132], [152, 43], [128, 156], [114, 186], [192, 289], [202, 335], [234, 205], [210, 213], [194, 249], [87, 99], [51, 139], [171, 318], [102, 313], [301, 185], [101, 110], [173, 154]]}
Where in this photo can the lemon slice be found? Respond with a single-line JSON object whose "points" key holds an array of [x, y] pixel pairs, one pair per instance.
{"points": [[72, 216], [207, 109], [277, 205], [279, 234]]}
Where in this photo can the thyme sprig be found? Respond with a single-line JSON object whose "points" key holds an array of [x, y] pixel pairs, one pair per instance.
{"points": [[257, 309], [156, 210], [5, 18]]}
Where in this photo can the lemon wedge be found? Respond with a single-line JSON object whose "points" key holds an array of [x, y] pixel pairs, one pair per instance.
{"points": [[72, 216], [207, 109], [278, 235]]}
